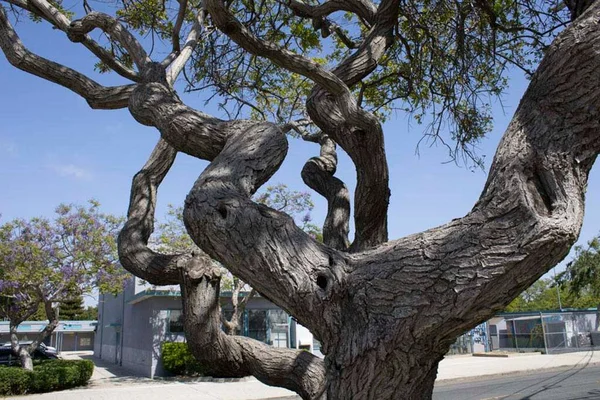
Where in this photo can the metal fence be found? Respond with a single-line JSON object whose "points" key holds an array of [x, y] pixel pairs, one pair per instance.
{"points": [[549, 332]]}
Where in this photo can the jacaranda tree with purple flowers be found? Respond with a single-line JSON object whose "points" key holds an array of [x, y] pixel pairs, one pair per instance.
{"points": [[44, 262]]}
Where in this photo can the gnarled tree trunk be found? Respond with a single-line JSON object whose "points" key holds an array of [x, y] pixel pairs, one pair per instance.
{"points": [[385, 311]]}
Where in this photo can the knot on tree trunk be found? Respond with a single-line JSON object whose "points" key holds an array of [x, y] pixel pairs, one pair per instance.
{"points": [[199, 267]]}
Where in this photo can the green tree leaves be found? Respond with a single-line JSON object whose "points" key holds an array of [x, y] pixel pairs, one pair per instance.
{"points": [[582, 275], [578, 286]]}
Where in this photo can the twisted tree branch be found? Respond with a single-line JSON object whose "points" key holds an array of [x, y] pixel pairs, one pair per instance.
{"points": [[96, 95], [79, 28], [318, 175], [277, 258], [134, 253], [365, 9], [364, 143], [51, 14], [231, 356]]}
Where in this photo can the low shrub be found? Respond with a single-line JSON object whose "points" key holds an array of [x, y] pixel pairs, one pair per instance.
{"points": [[47, 376], [178, 360], [14, 381]]}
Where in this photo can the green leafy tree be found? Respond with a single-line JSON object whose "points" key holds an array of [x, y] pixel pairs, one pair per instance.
{"points": [[581, 277], [46, 262], [90, 313], [544, 295], [330, 72], [71, 309], [541, 296]]}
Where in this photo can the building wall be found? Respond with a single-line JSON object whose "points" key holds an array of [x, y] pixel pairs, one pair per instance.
{"points": [[131, 330], [108, 333], [145, 331], [132, 326]]}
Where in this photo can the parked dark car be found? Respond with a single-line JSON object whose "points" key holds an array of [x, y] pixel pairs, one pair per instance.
{"points": [[8, 358], [42, 346]]}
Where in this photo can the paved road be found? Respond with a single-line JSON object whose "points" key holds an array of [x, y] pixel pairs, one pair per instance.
{"points": [[572, 383], [577, 379]]}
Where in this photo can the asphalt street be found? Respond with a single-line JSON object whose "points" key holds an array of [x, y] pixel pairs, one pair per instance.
{"points": [[580, 382]]}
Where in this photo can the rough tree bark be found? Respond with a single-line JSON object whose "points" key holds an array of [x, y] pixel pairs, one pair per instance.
{"points": [[385, 312]]}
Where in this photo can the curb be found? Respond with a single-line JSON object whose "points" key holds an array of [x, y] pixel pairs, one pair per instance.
{"points": [[508, 354]]}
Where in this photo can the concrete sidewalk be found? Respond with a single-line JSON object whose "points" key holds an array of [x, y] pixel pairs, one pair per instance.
{"points": [[112, 382]]}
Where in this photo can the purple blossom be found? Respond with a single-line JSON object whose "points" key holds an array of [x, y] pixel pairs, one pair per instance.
{"points": [[306, 218]]}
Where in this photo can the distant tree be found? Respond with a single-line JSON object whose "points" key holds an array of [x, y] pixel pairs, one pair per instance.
{"points": [[71, 309], [172, 237], [40, 314], [544, 295], [582, 275], [45, 262], [90, 314], [539, 296]]}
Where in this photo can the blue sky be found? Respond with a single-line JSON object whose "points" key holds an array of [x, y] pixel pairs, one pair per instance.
{"points": [[54, 148]]}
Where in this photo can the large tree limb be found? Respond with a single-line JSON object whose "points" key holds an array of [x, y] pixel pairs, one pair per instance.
{"points": [[429, 287], [134, 253], [187, 130], [231, 356], [95, 94], [258, 244], [79, 28], [363, 143], [318, 175], [51, 14]]}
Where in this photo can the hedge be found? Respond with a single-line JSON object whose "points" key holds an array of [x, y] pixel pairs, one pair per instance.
{"points": [[47, 376], [178, 360]]}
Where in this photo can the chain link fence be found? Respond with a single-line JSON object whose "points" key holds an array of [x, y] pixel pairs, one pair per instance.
{"points": [[548, 332]]}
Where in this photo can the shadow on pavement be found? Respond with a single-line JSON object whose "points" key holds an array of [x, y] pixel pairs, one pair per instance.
{"points": [[107, 373]]}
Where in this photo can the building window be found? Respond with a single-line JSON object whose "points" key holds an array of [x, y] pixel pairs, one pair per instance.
{"points": [[278, 325], [175, 321], [257, 324], [85, 341]]}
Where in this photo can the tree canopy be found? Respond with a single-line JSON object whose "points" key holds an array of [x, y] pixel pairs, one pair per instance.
{"points": [[547, 295], [578, 286], [582, 274]]}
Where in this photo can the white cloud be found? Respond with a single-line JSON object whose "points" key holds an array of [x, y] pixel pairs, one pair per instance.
{"points": [[71, 170]]}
